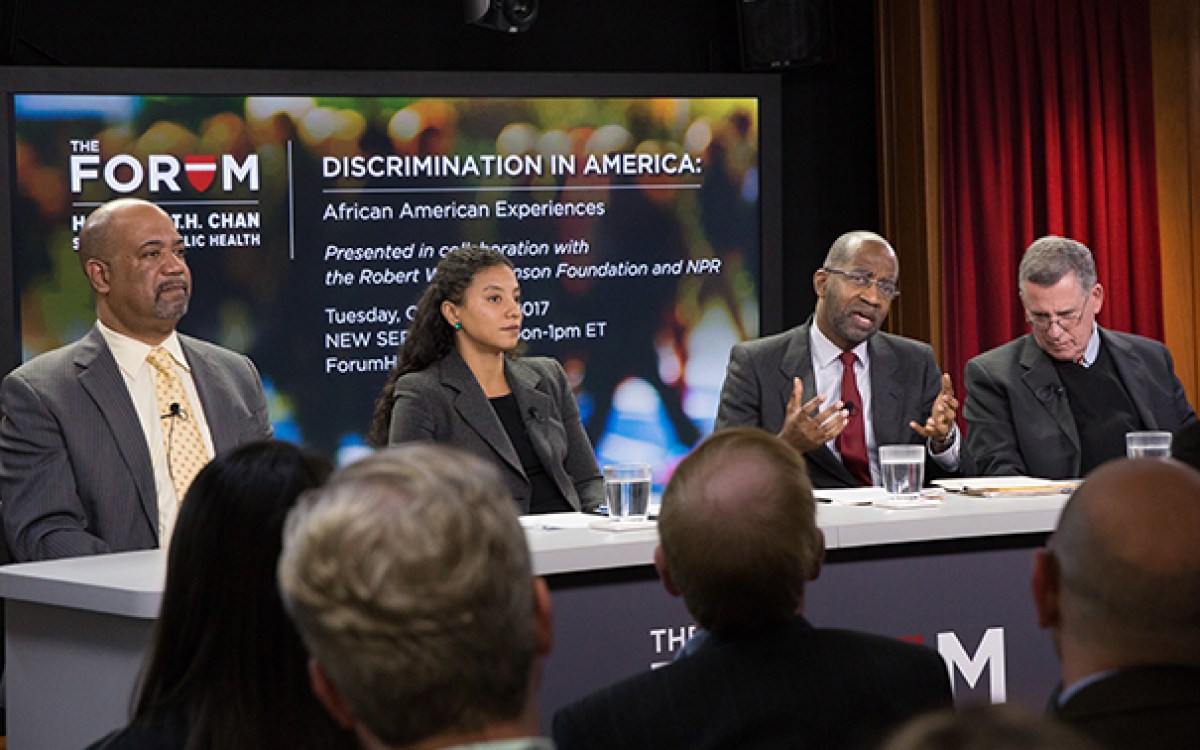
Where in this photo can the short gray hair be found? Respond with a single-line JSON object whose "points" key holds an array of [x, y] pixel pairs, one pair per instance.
{"points": [[409, 577], [1050, 258]]}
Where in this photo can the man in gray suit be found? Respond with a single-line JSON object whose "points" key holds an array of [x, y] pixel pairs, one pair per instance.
{"points": [[83, 464], [1057, 402], [864, 388]]}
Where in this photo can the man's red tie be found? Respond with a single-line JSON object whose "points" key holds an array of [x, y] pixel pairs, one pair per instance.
{"points": [[852, 443]]}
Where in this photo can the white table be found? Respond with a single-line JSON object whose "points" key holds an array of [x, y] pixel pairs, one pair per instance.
{"points": [[77, 629], [563, 543]]}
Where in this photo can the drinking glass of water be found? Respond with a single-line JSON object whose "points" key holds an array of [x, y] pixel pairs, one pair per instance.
{"points": [[903, 468], [627, 489], [1148, 444]]}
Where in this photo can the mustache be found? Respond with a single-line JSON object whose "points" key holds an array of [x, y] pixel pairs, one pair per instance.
{"points": [[168, 285], [865, 310]]}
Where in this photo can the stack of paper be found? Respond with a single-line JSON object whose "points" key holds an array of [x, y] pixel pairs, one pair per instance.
{"points": [[1008, 486]]}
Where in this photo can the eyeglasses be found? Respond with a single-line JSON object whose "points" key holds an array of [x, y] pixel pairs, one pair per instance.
{"points": [[863, 280], [1042, 321]]}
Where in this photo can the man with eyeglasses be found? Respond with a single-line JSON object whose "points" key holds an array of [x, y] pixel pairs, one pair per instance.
{"points": [[1057, 402], [835, 387]]}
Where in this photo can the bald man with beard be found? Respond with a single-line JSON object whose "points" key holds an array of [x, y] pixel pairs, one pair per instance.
{"points": [[83, 464], [1118, 587]]}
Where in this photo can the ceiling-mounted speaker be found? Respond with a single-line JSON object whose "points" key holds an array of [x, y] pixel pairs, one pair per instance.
{"points": [[782, 34], [502, 15]]}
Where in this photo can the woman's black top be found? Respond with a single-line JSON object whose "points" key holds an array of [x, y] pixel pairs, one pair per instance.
{"points": [[546, 497]]}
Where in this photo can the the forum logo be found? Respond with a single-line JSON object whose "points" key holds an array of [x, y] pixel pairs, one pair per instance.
{"points": [[161, 173]]}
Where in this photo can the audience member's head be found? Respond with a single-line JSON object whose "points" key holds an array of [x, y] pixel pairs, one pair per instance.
{"points": [[738, 532], [1185, 445], [1119, 582], [986, 727], [224, 653], [410, 579]]}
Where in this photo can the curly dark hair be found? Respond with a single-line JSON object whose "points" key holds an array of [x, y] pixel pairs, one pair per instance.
{"points": [[430, 337]]}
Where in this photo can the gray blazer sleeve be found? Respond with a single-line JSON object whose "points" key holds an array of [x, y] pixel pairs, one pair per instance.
{"points": [[44, 515], [1178, 412], [231, 394], [742, 400], [415, 410], [991, 432], [580, 458]]}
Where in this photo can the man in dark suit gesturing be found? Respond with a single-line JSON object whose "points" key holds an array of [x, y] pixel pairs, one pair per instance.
{"points": [[836, 388], [1057, 402], [100, 438], [1118, 587], [739, 541]]}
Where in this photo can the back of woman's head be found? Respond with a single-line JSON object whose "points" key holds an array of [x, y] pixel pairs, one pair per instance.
{"points": [[224, 651], [429, 336]]}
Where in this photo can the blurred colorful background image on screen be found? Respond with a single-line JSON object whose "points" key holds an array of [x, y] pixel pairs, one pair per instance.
{"points": [[313, 224]]}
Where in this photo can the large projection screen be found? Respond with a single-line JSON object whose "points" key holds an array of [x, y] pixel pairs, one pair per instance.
{"points": [[641, 213]]}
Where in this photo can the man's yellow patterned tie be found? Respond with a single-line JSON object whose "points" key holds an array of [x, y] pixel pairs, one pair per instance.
{"points": [[184, 446]]}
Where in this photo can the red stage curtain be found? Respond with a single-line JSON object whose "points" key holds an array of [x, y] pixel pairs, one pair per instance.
{"points": [[1047, 128]]}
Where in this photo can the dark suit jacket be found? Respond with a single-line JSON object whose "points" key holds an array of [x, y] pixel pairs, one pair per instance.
{"points": [[794, 687], [444, 403], [905, 381], [75, 471], [1143, 707], [1019, 420]]}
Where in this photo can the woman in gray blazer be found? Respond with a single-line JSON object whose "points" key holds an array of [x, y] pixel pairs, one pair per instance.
{"points": [[457, 381]]}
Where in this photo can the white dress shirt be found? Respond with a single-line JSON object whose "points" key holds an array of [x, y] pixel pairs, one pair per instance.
{"points": [[139, 379], [827, 371]]}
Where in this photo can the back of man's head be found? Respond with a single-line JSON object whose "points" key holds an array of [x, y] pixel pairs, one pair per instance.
{"points": [[1127, 560], [738, 531], [409, 577]]}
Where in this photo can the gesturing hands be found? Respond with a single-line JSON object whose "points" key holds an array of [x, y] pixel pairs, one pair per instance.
{"points": [[807, 426], [940, 424]]}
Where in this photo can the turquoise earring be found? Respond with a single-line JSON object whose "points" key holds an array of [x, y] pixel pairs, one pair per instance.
{"points": [[458, 326]]}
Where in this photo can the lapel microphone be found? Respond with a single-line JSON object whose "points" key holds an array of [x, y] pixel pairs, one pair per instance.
{"points": [[1049, 392], [850, 407], [175, 410]]}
